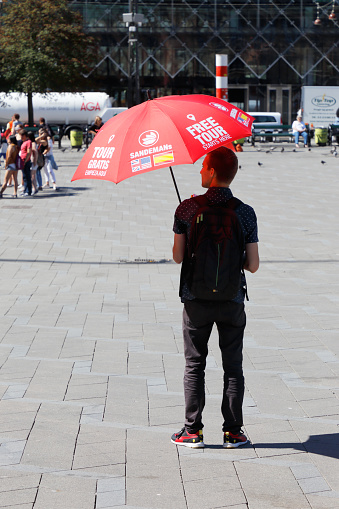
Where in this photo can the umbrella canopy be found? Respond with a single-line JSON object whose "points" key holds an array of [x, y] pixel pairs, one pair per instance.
{"points": [[161, 132]]}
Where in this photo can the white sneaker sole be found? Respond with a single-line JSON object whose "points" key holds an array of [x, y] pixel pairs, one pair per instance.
{"points": [[233, 446], [198, 445]]}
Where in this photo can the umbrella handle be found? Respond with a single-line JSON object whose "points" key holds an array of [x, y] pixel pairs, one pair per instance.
{"points": [[175, 184]]}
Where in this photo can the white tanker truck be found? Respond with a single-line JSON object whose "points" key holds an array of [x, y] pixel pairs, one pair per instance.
{"points": [[66, 110]]}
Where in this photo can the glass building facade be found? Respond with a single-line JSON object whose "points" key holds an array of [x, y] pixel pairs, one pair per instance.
{"points": [[273, 48]]}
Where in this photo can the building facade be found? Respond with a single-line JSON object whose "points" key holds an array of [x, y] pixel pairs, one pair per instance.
{"points": [[273, 47]]}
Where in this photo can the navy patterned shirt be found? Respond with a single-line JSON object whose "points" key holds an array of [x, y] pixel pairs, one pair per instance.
{"points": [[217, 195]]}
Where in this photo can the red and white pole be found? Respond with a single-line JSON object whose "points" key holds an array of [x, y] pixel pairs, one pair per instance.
{"points": [[221, 79]]}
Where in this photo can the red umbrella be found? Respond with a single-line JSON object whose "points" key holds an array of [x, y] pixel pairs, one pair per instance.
{"points": [[162, 132]]}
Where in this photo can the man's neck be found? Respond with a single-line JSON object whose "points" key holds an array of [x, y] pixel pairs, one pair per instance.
{"points": [[218, 184]]}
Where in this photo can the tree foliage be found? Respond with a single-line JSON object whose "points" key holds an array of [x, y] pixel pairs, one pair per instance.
{"points": [[43, 46]]}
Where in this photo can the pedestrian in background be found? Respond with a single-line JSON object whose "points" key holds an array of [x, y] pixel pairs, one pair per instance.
{"points": [[16, 122], [25, 156], [10, 166], [34, 163], [47, 144]]}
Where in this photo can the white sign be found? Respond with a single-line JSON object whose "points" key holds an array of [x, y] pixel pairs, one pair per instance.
{"points": [[320, 105]]}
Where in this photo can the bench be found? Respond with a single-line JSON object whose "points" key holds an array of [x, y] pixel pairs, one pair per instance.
{"points": [[275, 133]]}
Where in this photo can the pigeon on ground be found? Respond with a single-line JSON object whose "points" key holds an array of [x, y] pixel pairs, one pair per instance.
{"points": [[323, 162], [260, 164], [282, 150]]}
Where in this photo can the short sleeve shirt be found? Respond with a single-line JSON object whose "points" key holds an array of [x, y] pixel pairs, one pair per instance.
{"points": [[24, 149], [298, 126], [186, 211]]}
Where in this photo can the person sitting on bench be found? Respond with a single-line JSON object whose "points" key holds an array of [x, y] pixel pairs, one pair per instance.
{"points": [[299, 128]]}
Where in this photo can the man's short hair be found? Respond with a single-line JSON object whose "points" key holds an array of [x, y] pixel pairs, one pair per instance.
{"points": [[24, 133], [16, 116], [41, 120], [225, 164]]}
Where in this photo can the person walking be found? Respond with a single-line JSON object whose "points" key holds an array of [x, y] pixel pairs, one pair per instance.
{"points": [[200, 313], [10, 165]]}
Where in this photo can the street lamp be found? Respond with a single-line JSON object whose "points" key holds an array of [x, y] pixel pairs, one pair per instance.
{"points": [[133, 20]]}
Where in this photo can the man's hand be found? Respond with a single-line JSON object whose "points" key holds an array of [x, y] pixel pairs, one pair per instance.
{"points": [[28, 155]]}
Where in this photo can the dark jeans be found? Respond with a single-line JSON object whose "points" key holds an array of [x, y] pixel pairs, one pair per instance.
{"points": [[38, 177], [26, 173], [198, 320]]}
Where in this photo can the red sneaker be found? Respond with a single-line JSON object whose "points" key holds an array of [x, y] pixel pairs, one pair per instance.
{"points": [[232, 440], [194, 440]]}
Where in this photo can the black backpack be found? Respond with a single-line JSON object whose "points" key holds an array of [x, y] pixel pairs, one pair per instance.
{"points": [[214, 257]]}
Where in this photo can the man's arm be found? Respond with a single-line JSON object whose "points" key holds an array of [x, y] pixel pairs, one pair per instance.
{"points": [[28, 155], [252, 257], [179, 247]]}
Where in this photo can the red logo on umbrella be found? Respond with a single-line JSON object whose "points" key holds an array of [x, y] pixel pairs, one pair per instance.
{"points": [[148, 138]]}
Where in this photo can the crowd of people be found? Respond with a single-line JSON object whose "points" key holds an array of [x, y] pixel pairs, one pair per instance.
{"points": [[31, 155]]}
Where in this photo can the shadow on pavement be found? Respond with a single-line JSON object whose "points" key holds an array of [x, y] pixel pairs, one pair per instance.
{"points": [[324, 445], [49, 193]]}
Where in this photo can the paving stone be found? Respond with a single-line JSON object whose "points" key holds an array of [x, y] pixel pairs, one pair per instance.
{"points": [[313, 485], [59, 492], [12, 480], [127, 401], [264, 486], [110, 499], [323, 500], [16, 497], [53, 437], [110, 357], [50, 380]]}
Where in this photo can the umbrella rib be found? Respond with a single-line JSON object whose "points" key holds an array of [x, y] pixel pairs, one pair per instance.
{"points": [[125, 131]]}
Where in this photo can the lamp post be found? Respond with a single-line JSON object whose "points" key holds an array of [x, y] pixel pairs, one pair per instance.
{"points": [[133, 20]]}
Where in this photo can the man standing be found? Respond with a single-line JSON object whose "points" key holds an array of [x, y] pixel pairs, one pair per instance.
{"points": [[15, 121], [218, 170], [25, 156], [43, 125]]}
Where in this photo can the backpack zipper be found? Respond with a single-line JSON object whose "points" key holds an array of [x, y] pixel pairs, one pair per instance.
{"points": [[217, 274]]}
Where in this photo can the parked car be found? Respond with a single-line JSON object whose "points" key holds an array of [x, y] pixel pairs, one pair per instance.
{"points": [[264, 118]]}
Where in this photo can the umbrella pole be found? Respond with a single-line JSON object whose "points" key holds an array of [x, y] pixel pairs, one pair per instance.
{"points": [[175, 184]]}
